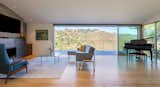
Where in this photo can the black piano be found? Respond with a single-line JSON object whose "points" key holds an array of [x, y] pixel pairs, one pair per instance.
{"points": [[139, 45]]}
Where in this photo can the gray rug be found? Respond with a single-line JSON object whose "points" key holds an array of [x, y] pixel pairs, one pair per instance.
{"points": [[47, 67]]}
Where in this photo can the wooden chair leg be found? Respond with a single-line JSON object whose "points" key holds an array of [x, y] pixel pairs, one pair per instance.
{"points": [[26, 69], [13, 72], [6, 79]]}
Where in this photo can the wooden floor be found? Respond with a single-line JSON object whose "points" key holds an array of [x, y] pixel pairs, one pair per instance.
{"points": [[111, 71]]}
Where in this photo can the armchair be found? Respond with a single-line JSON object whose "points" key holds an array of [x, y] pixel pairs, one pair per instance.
{"points": [[9, 67], [86, 55]]}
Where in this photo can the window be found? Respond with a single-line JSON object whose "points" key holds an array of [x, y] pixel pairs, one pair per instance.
{"points": [[149, 33], [107, 39], [70, 37], [126, 33], [158, 39]]}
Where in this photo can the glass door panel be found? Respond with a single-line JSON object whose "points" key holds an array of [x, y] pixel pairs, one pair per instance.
{"points": [[158, 40], [149, 35], [70, 37], [126, 33]]}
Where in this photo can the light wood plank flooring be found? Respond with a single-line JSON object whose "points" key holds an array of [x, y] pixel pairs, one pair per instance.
{"points": [[111, 71]]}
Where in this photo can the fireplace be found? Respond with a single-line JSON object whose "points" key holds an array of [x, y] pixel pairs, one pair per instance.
{"points": [[14, 46], [11, 52]]}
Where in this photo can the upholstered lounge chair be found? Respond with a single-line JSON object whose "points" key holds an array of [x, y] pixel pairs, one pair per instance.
{"points": [[9, 67], [86, 55]]}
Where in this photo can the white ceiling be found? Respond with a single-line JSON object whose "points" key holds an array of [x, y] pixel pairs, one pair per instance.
{"points": [[85, 11]]}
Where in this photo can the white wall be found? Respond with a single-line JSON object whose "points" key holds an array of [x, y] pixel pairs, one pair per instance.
{"points": [[40, 47]]}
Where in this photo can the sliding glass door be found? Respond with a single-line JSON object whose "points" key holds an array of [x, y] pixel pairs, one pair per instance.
{"points": [[158, 39], [149, 34], [107, 39], [125, 34]]}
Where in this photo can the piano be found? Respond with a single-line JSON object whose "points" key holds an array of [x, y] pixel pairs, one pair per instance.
{"points": [[139, 45]]}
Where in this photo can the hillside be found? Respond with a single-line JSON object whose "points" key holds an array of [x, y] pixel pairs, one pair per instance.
{"points": [[68, 39]]}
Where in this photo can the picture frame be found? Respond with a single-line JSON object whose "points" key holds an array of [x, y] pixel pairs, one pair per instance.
{"points": [[41, 34]]}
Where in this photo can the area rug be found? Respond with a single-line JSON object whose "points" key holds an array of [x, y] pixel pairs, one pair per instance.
{"points": [[45, 67]]}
